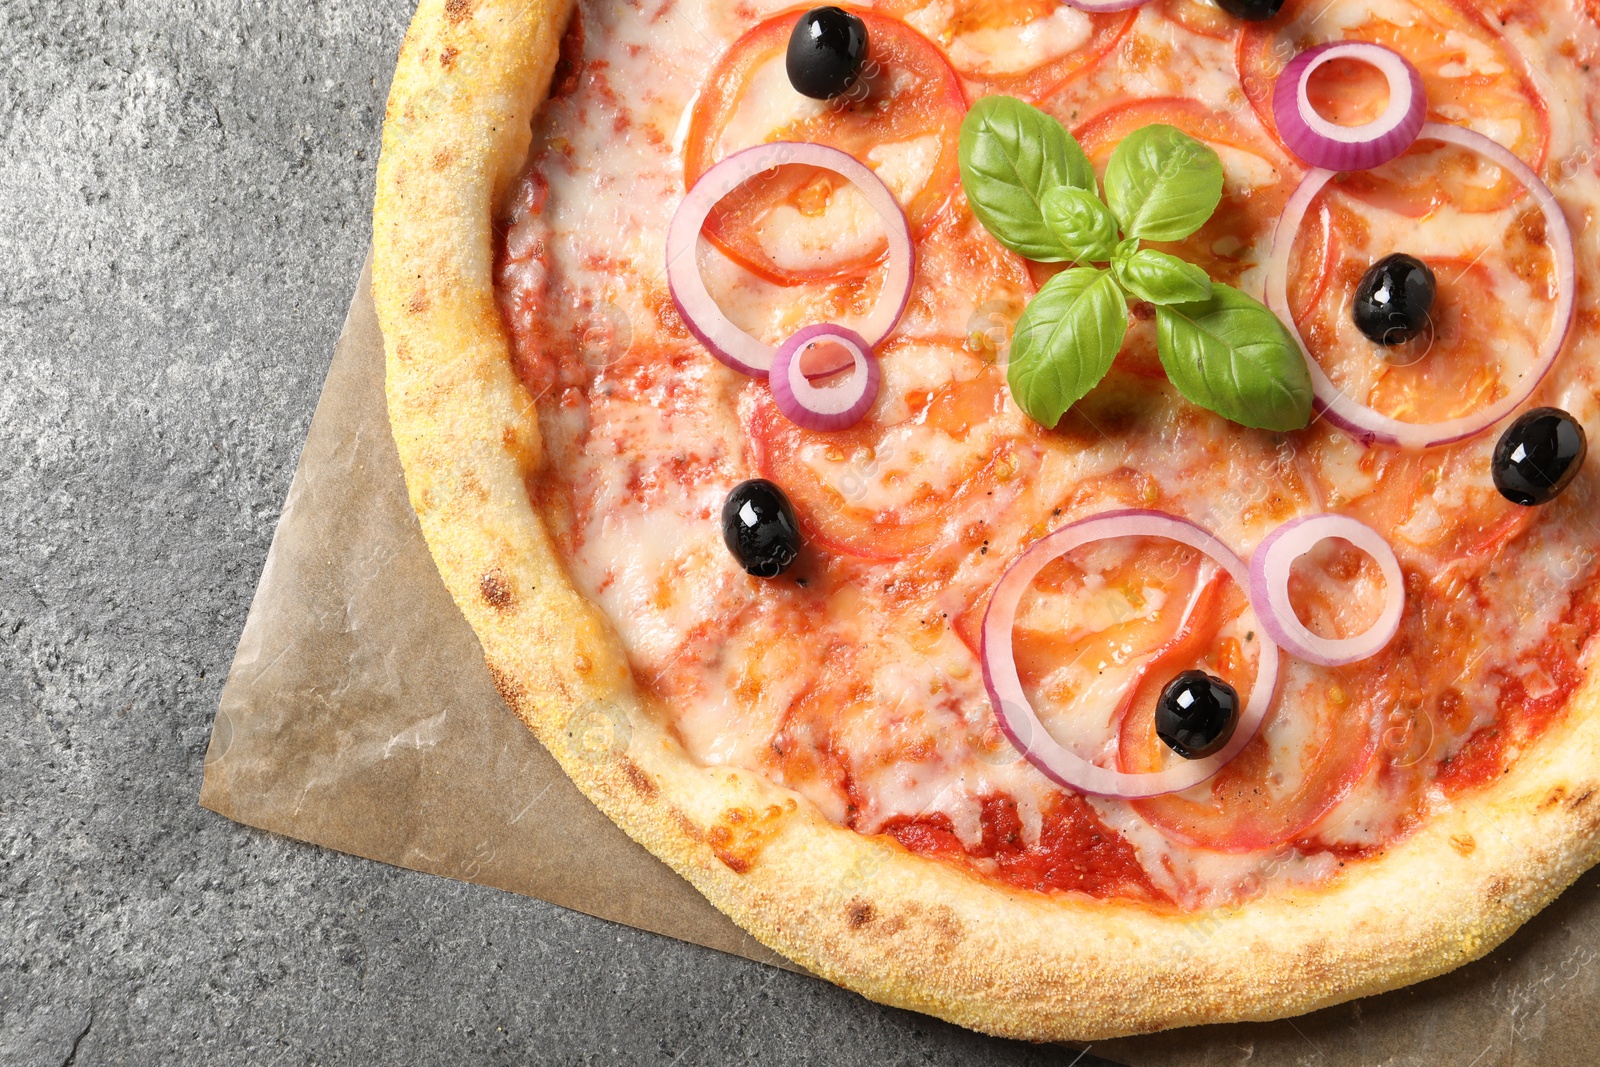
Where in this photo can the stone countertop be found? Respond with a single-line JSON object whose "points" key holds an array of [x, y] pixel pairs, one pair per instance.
{"points": [[184, 198]]}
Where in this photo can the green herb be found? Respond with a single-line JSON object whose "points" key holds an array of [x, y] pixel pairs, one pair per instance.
{"points": [[1012, 154], [1160, 278], [1233, 356], [1032, 187], [1084, 226], [1162, 184], [1065, 342]]}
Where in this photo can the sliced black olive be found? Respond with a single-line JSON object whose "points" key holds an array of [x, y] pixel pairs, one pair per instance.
{"points": [[1538, 456], [1254, 10], [759, 527], [1197, 714], [826, 50], [1394, 299]]}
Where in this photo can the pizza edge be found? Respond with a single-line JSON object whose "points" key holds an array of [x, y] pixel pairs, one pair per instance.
{"points": [[862, 912]]}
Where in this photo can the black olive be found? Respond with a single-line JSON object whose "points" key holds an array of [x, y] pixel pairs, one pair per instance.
{"points": [[1196, 714], [826, 51], [1254, 10], [1538, 456], [1394, 299], [759, 527]]}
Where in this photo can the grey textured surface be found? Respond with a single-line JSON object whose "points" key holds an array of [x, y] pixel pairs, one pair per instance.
{"points": [[184, 192]]}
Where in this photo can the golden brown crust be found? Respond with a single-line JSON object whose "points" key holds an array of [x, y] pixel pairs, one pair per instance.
{"points": [[861, 911]]}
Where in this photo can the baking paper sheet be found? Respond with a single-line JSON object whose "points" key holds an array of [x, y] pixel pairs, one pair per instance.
{"points": [[359, 715]]}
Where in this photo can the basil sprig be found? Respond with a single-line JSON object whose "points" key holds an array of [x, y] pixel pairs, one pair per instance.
{"points": [[1031, 185]]}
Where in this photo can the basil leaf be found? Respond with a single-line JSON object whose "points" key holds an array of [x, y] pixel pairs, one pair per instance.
{"points": [[1160, 278], [1065, 342], [1012, 154], [1163, 184], [1083, 225], [1230, 354]]}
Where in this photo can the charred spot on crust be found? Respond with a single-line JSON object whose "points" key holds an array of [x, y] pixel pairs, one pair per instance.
{"points": [[473, 485], [685, 824], [720, 838], [447, 58], [418, 303], [496, 590], [524, 452], [641, 782], [1465, 844], [1587, 814], [740, 835], [457, 11], [858, 913], [945, 921], [1498, 889], [934, 925], [506, 686]]}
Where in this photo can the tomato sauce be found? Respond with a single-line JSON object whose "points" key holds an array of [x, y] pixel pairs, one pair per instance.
{"points": [[1529, 704], [1076, 852]]}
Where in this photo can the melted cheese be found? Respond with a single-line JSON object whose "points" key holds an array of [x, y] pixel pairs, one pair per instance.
{"points": [[859, 690], [1018, 48]]}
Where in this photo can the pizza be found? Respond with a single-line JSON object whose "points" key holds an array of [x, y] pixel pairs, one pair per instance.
{"points": [[1068, 517]]}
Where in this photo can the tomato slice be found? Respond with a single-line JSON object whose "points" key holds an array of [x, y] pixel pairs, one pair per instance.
{"points": [[1088, 621], [1458, 366], [1260, 180], [923, 461], [803, 224], [966, 283], [1023, 48], [1124, 487], [1099, 629], [1188, 642], [1461, 374], [1473, 76], [1300, 764], [1438, 504]]}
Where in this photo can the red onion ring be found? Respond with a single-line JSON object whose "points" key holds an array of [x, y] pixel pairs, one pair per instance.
{"points": [[1016, 715], [1321, 143], [1372, 427], [1269, 589], [835, 407], [1105, 7], [700, 312]]}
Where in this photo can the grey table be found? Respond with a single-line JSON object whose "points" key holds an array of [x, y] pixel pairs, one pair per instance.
{"points": [[184, 197]]}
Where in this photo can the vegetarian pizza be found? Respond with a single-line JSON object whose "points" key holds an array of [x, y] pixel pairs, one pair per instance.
{"points": [[1070, 517]]}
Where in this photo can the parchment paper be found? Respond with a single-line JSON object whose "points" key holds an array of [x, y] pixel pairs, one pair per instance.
{"points": [[358, 715]]}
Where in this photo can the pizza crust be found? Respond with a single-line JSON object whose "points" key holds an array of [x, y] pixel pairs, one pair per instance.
{"points": [[862, 912]]}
